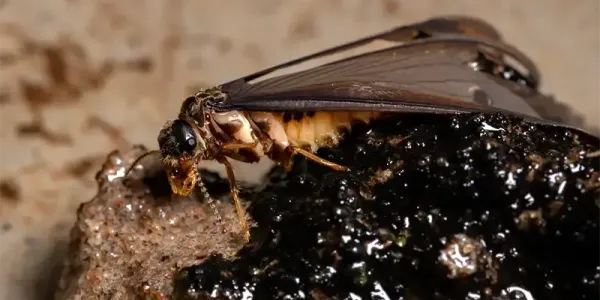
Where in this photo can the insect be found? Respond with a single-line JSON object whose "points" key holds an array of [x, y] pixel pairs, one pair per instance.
{"points": [[444, 65]]}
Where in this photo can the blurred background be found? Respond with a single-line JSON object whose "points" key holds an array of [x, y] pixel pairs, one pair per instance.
{"points": [[81, 78]]}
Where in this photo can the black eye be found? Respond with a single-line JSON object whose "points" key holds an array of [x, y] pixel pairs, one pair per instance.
{"points": [[184, 135]]}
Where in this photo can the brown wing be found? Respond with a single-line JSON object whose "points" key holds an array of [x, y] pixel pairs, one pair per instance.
{"points": [[434, 27], [430, 75]]}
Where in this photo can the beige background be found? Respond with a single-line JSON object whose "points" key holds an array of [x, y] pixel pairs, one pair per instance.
{"points": [[76, 73]]}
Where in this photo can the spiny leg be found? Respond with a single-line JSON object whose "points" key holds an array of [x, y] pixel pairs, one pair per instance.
{"points": [[296, 150], [238, 146], [202, 189], [241, 212]]}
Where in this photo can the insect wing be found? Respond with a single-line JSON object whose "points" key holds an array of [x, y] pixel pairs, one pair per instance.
{"points": [[434, 27], [421, 76]]}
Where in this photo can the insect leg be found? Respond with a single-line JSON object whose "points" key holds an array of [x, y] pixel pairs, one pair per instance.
{"points": [[241, 212], [238, 146], [315, 158]]}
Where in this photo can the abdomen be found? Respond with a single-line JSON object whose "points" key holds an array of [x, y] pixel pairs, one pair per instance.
{"points": [[311, 130]]}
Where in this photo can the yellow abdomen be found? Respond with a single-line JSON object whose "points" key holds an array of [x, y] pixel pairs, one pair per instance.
{"points": [[320, 128]]}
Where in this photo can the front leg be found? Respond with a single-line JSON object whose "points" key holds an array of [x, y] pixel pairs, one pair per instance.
{"points": [[234, 146], [241, 212]]}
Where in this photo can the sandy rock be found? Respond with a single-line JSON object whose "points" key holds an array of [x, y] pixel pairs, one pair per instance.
{"points": [[131, 238]]}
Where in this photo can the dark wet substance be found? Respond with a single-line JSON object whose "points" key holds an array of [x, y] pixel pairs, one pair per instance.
{"points": [[469, 207]]}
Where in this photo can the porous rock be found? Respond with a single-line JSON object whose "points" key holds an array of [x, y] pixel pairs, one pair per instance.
{"points": [[132, 237]]}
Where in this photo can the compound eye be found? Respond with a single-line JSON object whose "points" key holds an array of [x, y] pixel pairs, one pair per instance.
{"points": [[184, 135]]}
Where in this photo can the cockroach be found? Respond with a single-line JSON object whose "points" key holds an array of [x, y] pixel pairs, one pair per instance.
{"points": [[445, 65]]}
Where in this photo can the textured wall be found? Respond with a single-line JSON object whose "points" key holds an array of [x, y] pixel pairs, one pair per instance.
{"points": [[80, 78]]}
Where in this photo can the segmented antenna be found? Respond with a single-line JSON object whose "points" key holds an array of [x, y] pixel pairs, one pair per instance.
{"points": [[137, 160], [211, 203]]}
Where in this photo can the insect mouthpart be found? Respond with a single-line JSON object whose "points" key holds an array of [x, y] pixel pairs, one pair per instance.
{"points": [[183, 178], [180, 146]]}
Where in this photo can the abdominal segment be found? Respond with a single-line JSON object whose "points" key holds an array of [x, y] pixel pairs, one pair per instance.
{"points": [[310, 130]]}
